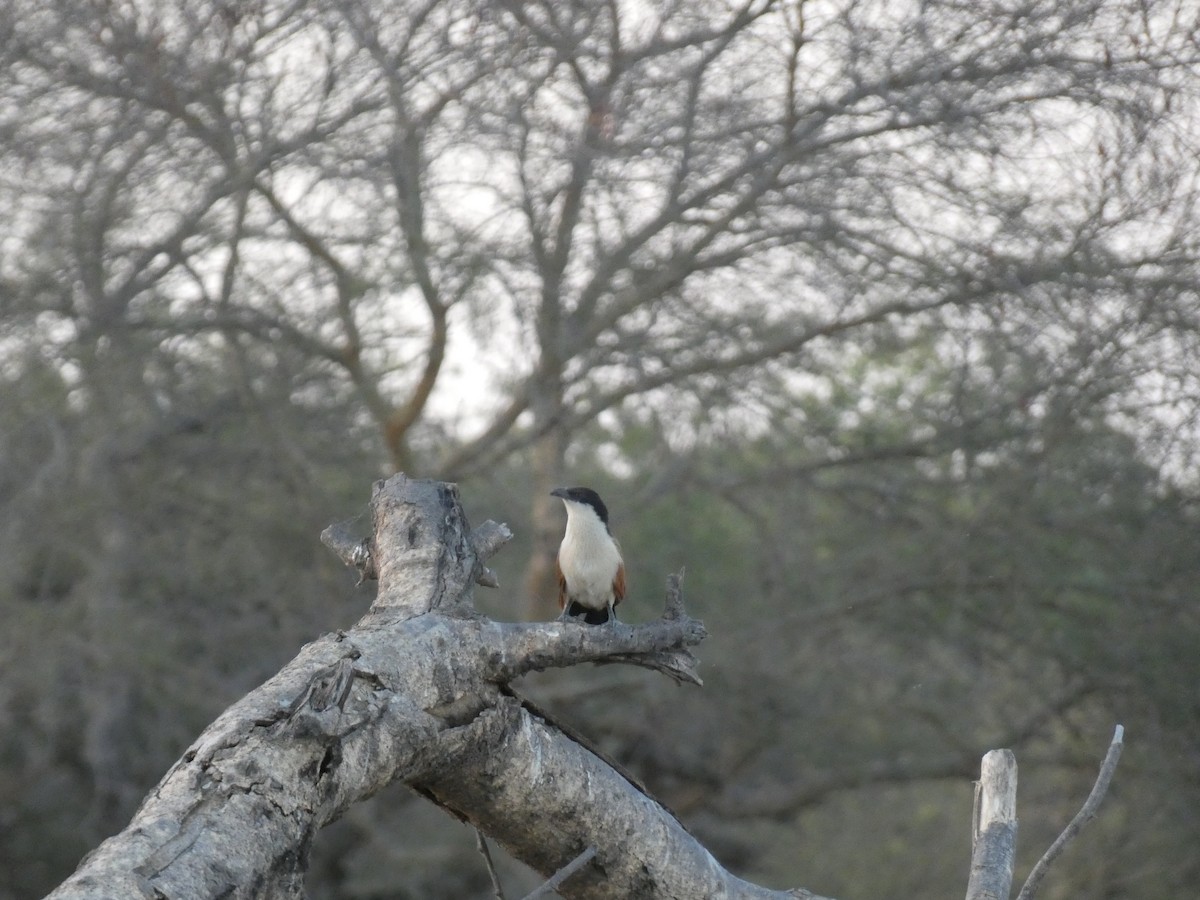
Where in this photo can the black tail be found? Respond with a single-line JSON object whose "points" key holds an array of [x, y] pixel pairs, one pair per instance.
{"points": [[590, 616]]}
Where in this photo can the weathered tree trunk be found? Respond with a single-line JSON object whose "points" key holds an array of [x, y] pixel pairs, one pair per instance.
{"points": [[417, 692]]}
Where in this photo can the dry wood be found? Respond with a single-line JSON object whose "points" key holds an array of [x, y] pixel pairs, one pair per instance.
{"points": [[416, 692], [419, 692], [1086, 813], [995, 829]]}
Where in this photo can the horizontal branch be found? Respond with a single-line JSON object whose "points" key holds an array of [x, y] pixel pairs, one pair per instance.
{"points": [[517, 648]]}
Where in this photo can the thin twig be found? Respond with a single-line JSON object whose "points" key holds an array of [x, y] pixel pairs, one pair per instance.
{"points": [[1086, 813], [563, 874], [481, 844]]}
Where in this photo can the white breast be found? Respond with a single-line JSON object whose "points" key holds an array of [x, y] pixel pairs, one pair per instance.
{"points": [[589, 557]]}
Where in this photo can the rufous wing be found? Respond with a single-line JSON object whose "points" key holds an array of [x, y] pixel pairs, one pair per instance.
{"points": [[619, 584]]}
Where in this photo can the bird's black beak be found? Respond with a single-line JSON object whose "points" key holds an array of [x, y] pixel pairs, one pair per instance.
{"points": [[559, 492]]}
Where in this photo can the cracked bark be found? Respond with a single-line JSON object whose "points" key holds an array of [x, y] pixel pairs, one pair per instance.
{"points": [[417, 692]]}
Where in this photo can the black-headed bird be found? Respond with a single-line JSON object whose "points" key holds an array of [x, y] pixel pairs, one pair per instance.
{"points": [[591, 572]]}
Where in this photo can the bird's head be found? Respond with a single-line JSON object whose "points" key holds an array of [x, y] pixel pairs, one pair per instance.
{"points": [[582, 496]]}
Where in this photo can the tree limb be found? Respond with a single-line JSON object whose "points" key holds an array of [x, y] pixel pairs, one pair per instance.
{"points": [[416, 692], [1086, 813]]}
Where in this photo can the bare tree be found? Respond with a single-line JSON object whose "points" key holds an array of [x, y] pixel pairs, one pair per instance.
{"points": [[618, 205], [707, 216]]}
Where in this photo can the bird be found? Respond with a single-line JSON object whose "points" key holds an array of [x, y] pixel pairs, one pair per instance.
{"points": [[590, 569]]}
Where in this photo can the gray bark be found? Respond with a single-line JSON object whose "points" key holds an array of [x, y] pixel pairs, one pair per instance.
{"points": [[995, 832], [417, 692]]}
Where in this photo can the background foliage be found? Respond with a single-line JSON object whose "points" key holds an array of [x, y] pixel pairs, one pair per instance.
{"points": [[881, 318]]}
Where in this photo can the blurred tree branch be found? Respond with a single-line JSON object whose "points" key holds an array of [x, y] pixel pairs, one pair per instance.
{"points": [[636, 204]]}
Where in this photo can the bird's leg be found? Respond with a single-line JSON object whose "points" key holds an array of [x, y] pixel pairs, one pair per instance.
{"points": [[562, 616], [612, 612]]}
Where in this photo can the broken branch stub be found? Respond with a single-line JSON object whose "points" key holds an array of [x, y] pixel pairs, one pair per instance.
{"points": [[993, 848]]}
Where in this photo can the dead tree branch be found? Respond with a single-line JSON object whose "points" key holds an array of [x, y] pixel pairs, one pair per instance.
{"points": [[416, 692], [994, 836], [1086, 813], [419, 692]]}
